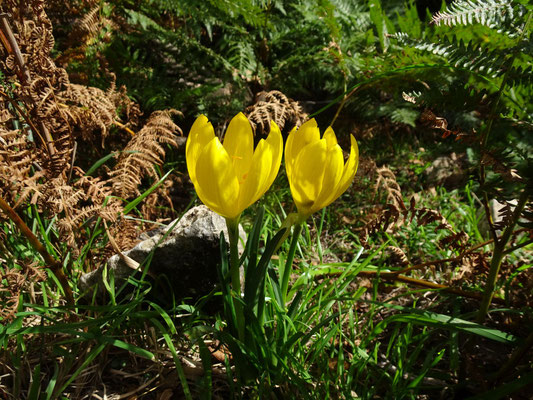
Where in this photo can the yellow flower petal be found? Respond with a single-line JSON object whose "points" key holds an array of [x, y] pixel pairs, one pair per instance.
{"points": [[255, 184], [275, 140], [201, 133], [330, 137], [315, 168], [307, 174], [230, 177], [297, 140], [332, 175], [239, 143], [265, 166], [350, 168], [217, 185]]}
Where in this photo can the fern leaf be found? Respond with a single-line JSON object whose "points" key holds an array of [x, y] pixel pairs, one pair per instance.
{"points": [[466, 12], [504, 16], [461, 54], [520, 76], [242, 56]]}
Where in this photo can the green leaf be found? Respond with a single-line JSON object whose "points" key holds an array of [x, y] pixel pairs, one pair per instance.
{"points": [[132, 204], [101, 162], [428, 318], [381, 22]]}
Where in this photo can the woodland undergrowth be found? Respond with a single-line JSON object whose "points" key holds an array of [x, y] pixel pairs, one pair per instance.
{"points": [[416, 283]]}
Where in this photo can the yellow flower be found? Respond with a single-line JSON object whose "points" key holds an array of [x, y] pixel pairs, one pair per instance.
{"points": [[315, 167], [232, 176]]}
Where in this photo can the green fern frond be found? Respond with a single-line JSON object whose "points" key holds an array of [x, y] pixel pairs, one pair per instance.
{"points": [[461, 54], [484, 12], [505, 16], [242, 57], [406, 116], [520, 76]]}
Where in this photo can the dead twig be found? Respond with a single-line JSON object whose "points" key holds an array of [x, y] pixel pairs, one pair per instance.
{"points": [[394, 276]]}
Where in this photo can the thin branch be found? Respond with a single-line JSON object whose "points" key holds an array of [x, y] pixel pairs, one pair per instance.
{"points": [[393, 276], [518, 246], [55, 266], [497, 257], [344, 100], [122, 126], [23, 115]]}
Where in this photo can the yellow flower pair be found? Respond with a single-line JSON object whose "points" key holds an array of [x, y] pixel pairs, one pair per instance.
{"points": [[230, 177]]}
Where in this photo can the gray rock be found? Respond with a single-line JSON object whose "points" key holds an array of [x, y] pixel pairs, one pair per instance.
{"points": [[447, 171], [185, 260]]}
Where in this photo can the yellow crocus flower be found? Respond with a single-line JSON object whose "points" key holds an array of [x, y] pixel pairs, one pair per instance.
{"points": [[230, 177], [316, 169]]}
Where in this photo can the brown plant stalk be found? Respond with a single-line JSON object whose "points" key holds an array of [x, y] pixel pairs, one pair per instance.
{"points": [[394, 276], [55, 266], [11, 45]]}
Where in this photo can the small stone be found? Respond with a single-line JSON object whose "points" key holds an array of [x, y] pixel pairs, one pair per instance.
{"points": [[447, 171], [186, 260]]}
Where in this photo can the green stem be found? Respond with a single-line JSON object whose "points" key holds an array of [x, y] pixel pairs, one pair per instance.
{"points": [[233, 236], [497, 257], [499, 243], [233, 233], [488, 128], [288, 264]]}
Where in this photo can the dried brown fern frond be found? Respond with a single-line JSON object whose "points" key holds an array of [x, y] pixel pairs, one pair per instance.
{"points": [[386, 180], [457, 240], [27, 59], [384, 222], [500, 167], [124, 106], [158, 207], [430, 120], [393, 217], [125, 233], [89, 28], [143, 152], [14, 282], [90, 110], [85, 199], [274, 106], [18, 159], [396, 256], [52, 115], [94, 110]]}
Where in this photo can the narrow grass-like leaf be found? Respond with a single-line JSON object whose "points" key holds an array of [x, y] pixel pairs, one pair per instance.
{"points": [[132, 204], [257, 280], [101, 162], [165, 316], [88, 359], [35, 387], [447, 322], [177, 361], [207, 384], [303, 338], [428, 364], [129, 347], [52, 382]]}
